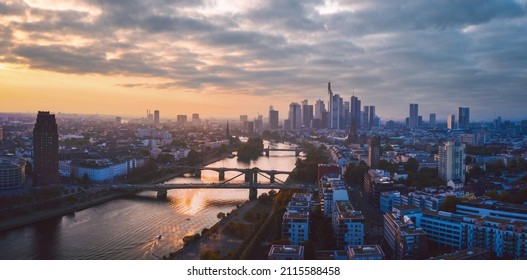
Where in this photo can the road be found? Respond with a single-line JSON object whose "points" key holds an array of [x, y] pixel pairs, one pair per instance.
{"points": [[373, 218]]}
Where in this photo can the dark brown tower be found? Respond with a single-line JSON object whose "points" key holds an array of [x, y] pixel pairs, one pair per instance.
{"points": [[45, 150]]}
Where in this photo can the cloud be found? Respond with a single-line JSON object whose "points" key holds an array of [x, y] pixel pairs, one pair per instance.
{"points": [[435, 52]]}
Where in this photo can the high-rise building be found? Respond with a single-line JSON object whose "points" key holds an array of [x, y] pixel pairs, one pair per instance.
{"points": [[156, 117], [365, 117], [452, 161], [451, 122], [371, 117], [273, 118], [336, 110], [307, 113], [432, 119], [414, 114], [464, 117], [345, 116], [196, 121], [320, 108], [374, 151], [355, 114], [295, 116], [118, 120], [181, 120], [243, 118], [45, 150]]}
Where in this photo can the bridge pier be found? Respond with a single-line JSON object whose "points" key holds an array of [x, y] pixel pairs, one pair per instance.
{"points": [[253, 193], [197, 173], [271, 178], [297, 152], [221, 175], [266, 152], [162, 194]]}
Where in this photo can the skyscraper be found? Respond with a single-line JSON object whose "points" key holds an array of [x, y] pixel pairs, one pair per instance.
{"points": [[335, 109], [45, 150], [451, 122], [414, 114], [295, 116], [182, 120], [374, 151], [273, 118], [371, 117], [464, 117], [432, 119], [196, 121], [307, 113], [156, 117], [320, 108], [365, 117], [452, 161], [355, 114]]}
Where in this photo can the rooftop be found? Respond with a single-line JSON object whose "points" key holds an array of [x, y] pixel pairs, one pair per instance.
{"points": [[365, 250], [287, 250]]}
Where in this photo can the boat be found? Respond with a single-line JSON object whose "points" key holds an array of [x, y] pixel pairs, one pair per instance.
{"points": [[159, 237], [230, 156]]}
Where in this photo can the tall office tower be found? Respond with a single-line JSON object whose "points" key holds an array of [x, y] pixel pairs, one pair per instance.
{"points": [[196, 121], [451, 122], [320, 108], [295, 116], [118, 120], [346, 110], [335, 111], [464, 117], [374, 151], [365, 116], [258, 124], [432, 119], [355, 114], [414, 114], [420, 121], [273, 118], [371, 117], [156, 117], [330, 106], [243, 118], [149, 116], [307, 113], [181, 120], [45, 150], [452, 161]]}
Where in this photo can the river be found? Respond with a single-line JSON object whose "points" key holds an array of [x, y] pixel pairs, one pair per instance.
{"points": [[128, 228]]}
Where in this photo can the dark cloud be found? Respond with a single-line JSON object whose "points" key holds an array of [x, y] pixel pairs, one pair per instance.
{"points": [[437, 53]]}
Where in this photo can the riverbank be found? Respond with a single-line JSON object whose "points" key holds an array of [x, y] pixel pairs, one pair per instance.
{"points": [[45, 214]]}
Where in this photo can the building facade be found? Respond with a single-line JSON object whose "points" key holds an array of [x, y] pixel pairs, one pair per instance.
{"points": [[12, 173], [348, 225], [45, 150], [452, 161]]}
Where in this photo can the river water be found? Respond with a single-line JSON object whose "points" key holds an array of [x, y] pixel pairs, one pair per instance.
{"points": [[128, 228]]}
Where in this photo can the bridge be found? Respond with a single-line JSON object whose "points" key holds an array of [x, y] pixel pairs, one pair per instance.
{"points": [[296, 150], [251, 181]]}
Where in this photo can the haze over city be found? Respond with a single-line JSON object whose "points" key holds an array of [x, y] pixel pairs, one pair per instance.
{"points": [[210, 57]]}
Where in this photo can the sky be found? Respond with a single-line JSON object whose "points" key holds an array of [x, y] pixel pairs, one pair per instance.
{"points": [[224, 58]]}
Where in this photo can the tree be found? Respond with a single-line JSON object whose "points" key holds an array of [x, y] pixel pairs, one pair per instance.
{"points": [[412, 165], [355, 173], [165, 158], [193, 157], [450, 204], [221, 215]]}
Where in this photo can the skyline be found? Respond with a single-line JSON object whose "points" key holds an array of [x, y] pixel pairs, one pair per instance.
{"points": [[100, 57]]}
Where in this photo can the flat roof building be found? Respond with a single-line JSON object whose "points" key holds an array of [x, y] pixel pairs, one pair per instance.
{"points": [[286, 252]]}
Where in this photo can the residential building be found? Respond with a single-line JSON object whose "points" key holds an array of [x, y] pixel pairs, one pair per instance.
{"points": [[452, 161], [375, 182], [295, 227], [12, 173], [404, 239], [374, 151], [348, 224]]}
